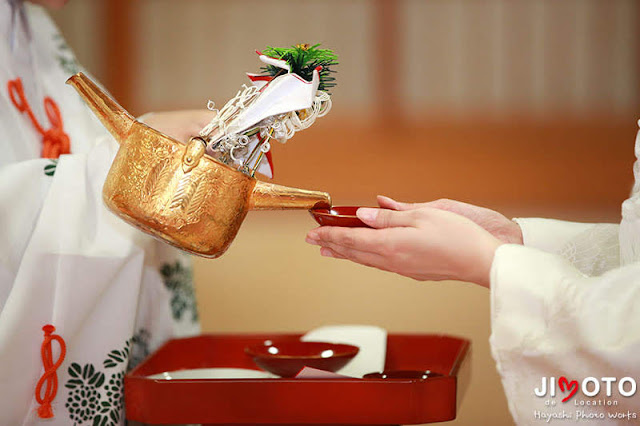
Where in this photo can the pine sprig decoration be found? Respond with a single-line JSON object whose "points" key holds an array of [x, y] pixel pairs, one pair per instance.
{"points": [[303, 59]]}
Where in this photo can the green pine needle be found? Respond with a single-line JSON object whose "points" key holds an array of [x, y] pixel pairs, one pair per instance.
{"points": [[303, 59]]}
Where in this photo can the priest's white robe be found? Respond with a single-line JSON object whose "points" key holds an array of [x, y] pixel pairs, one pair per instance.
{"points": [[567, 304], [112, 293]]}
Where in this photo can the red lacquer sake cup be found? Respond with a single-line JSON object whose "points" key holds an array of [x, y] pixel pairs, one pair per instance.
{"points": [[338, 216], [286, 359]]}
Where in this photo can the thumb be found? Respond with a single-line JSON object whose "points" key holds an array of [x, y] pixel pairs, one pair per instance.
{"points": [[384, 218]]}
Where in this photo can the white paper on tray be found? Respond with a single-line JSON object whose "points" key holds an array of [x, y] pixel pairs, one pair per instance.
{"points": [[213, 373], [371, 340], [314, 373]]}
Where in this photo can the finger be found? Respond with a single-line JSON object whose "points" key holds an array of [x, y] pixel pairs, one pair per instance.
{"points": [[361, 257], [327, 252], [363, 239], [390, 203], [441, 204], [387, 203], [385, 218], [449, 205], [313, 240]]}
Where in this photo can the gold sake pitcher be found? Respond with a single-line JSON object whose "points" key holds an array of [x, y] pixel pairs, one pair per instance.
{"points": [[174, 191]]}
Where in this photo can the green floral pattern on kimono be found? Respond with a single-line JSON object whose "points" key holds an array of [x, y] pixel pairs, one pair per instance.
{"points": [[140, 348], [178, 279], [50, 169], [64, 55], [97, 397]]}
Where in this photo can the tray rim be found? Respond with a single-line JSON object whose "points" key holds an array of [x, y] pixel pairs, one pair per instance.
{"points": [[455, 368], [414, 411]]}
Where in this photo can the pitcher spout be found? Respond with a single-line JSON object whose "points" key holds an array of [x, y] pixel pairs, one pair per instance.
{"points": [[269, 196], [115, 118]]}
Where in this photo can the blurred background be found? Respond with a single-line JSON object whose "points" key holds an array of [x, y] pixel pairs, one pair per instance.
{"points": [[528, 107]]}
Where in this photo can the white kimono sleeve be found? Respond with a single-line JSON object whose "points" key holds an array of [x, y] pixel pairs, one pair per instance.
{"points": [[550, 320], [593, 248], [549, 235]]}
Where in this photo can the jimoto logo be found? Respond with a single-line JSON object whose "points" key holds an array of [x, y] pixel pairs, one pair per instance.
{"points": [[594, 399], [589, 387]]}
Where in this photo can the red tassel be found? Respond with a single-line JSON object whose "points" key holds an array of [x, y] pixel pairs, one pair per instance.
{"points": [[45, 411], [50, 376], [55, 141]]}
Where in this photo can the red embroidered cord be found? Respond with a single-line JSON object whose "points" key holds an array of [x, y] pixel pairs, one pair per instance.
{"points": [[49, 377], [55, 141]]}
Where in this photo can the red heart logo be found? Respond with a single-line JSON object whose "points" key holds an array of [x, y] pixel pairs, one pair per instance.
{"points": [[572, 387]]}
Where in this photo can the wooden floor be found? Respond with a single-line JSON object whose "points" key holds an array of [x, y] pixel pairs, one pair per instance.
{"points": [[571, 168]]}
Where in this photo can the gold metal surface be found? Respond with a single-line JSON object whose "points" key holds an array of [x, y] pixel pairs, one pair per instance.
{"points": [[193, 153], [174, 191], [269, 196]]}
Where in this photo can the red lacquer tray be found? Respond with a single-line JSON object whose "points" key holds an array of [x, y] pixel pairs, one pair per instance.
{"points": [[297, 401]]}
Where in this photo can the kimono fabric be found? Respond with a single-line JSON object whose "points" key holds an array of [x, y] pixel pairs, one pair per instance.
{"points": [[566, 319], [83, 296]]}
